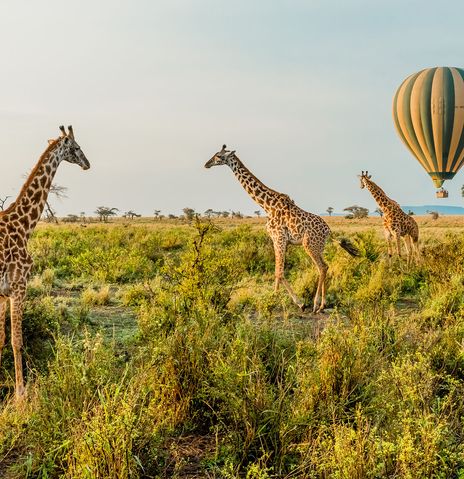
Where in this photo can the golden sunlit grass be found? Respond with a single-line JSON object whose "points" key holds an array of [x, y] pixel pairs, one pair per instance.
{"points": [[159, 349]]}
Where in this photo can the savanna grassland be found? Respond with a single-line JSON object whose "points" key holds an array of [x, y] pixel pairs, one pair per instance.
{"points": [[159, 349]]}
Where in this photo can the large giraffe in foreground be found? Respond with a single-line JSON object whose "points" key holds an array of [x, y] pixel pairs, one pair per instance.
{"points": [[287, 223], [16, 225], [397, 224]]}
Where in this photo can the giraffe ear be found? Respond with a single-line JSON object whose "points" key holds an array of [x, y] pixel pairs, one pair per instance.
{"points": [[369, 177], [51, 141], [232, 152]]}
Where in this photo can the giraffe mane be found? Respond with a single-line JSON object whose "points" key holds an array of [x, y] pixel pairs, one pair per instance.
{"points": [[51, 146], [258, 180]]}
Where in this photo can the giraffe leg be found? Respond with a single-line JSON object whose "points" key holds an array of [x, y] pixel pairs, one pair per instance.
{"points": [[407, 247], [16, 312], [398, 244], [2, 325], [280, 246], [279, 252], [321, 265], [388, 237], [415, 247]]}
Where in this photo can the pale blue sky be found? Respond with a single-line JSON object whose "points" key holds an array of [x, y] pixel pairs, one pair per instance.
{"points": [[301, 89]]}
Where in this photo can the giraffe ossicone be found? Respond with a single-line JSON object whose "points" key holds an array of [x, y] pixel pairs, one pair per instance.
{"points": [[16, 225], [287, 224]]}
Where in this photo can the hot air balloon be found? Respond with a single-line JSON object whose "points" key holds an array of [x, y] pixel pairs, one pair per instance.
{"points": [[428, 111]]}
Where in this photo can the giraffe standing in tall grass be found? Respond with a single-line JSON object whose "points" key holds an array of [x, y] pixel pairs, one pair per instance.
{"points": [[397, 224], [287, 224], [17, 223]]}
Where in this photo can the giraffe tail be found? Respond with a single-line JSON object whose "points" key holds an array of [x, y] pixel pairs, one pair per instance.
{"points": [[347, 245]]}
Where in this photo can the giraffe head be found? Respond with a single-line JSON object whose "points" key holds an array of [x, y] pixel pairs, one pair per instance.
{"points": [[69, 150], [364, 177], [221, 157]]}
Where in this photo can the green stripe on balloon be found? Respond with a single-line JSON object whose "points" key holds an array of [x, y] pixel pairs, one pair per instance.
{"points": [[461, 140], [448, 116]]}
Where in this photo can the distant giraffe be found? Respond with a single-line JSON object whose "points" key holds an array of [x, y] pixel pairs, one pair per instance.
{"points": [[397, 224], [16, 225], [287, 223]]}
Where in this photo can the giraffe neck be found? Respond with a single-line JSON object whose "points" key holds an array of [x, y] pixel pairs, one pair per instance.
{"points": [[31, 200], [384, 202], [259, 192]]}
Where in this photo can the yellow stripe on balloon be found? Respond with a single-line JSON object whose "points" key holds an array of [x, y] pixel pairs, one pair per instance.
{"points": [[416, 118], [438, 110]]}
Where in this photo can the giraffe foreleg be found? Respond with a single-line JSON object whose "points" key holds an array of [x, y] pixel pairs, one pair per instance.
{"points": [[280, 247], [16, 312], [388, 237], [2, 325]]}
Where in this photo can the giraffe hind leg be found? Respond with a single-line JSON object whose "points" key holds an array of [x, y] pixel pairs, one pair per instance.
{"points": [[398, 244], [316, 256], [408, 248], [415, 247]]}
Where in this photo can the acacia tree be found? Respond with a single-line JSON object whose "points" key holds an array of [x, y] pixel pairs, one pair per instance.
{"points": [[59, 192], [156, 213], [257, 213], [104, 212], [209, 212], [329, 210], [356, 212], [189, 213], [434, 214], [379, 212]]}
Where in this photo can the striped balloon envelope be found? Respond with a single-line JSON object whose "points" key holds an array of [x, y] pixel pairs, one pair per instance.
{"points": [[428, 111]]}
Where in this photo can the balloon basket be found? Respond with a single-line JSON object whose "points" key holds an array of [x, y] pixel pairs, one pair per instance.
{"points": [[442, 193]]}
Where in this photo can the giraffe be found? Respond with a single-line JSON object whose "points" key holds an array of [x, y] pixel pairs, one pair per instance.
{"points": [[397, 224], [287, 224], [17, 223]]}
